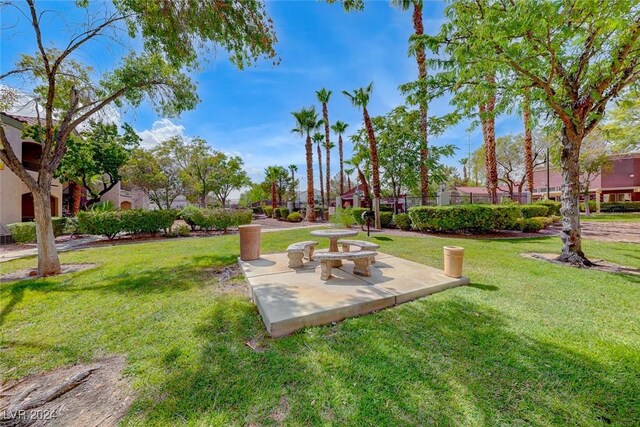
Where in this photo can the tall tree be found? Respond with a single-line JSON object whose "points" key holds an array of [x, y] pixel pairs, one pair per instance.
{"points": [[510, 157], [272, 175], [419, 50], [340, 128], [293, 169], [360, 98], [623, 126], [157, 173], [488, 120], [172, 37], [306, 123], [94, 159], [323, 96], [197, 161], [577, 54], [528, 142], [228, 174], [318, 139]]}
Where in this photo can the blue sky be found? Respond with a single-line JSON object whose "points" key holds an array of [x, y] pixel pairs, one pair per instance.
{"points": [[249, 112]]}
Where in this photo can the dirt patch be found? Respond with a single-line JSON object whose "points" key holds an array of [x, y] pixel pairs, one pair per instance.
{"points": [[93, 394], [30, 273], [281, 411], [622, 232], [230, 278], [600, 264]]}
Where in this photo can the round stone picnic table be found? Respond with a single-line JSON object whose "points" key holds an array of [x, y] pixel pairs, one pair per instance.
{"points": [[333, 236]]}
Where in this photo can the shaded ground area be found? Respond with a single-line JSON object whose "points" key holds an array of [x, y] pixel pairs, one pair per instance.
{"points": [[93, 394], [600, 264], [30, 273], [526, 343]]}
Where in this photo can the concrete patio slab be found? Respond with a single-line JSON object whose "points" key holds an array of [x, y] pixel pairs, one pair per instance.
{"points": [[289, 299], [407, 280]]}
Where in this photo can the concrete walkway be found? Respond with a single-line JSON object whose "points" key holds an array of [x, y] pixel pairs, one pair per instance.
{"points": [[32, 249]]}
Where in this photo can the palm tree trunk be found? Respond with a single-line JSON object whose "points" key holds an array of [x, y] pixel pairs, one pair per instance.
{"points": [[374, 164], [489, 133], [321, 180], [528, 146], [274, 202], [311, 213], [340, 154], [325, 117], [75, 193], [421, 59]]}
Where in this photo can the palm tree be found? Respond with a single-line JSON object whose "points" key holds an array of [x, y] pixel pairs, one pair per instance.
{"points": [[360, 98], [488, 121], [323, 96], [307, 122], [464, 162], [528, 146], [340, 128], [271, 175], [421, 59], [293, 169], [357, 164], [283, 177], [318, 138]]}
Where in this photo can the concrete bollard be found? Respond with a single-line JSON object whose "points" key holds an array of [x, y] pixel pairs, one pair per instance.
{"points": [[249, 241], [453, 256]]}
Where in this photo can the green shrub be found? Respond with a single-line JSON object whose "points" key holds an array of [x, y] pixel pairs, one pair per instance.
{"points": [[531, 211], [402, 220], [23, 232], [71, 226], [505, 216], [277, 213], [136, 221], [619, 207], [105, 223], [294, 217], [59, 225], [257, 210], [284, 213], [356, 213], [342, 218], [192, 215], [386, 218], [268, 210], [530, 225], [592, 206], [242, 217], [182, 230], [555, 218], [105, 206], [450, 219], [552, 205], [546, 220]]}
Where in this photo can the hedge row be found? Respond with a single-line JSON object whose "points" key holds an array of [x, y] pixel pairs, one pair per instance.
{"points": [[133, 221], [215, 219], [25, 232], [473, 218]]}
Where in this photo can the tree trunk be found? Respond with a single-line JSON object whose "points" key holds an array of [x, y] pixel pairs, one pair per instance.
{"points": [[311, 213], [274, 202], [75, 193], [365, 186], [570, 235], [48, 261], [374, 164], [489, 133], [528, 146], [340, 154], [325, 116], [321, 180], [421, 59]]}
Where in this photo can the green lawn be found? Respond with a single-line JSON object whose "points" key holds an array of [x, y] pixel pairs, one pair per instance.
{"points": [[528, 343], [611, 217]]}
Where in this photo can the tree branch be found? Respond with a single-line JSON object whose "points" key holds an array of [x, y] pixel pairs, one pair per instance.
{"points": [[8, 157]]}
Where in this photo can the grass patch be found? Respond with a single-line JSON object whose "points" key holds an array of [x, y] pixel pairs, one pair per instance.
{"points": [[526, 343], [611, 217]]}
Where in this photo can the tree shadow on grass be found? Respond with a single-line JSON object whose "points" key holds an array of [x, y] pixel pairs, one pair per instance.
{"points": [[484, 287], [436, 362]]}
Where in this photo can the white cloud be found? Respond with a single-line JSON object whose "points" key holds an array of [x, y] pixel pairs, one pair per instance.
{"points": [[161, 130]]}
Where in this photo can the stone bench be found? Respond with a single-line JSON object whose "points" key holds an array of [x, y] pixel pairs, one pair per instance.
{"points": [[361, 262], [363, 245], [297, 251]]}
